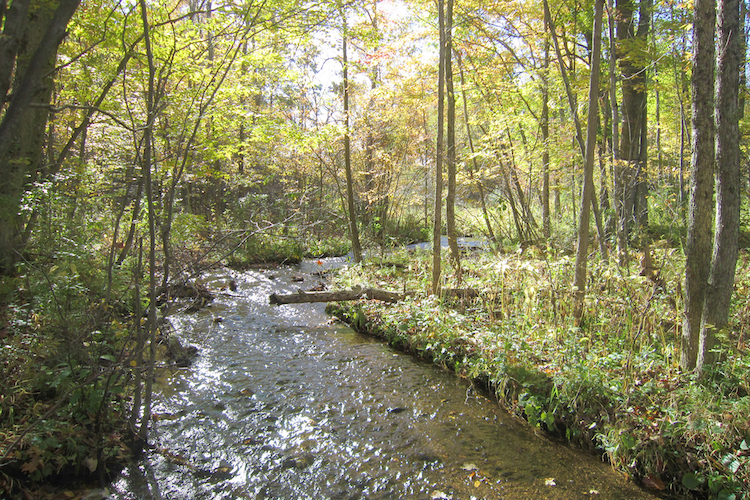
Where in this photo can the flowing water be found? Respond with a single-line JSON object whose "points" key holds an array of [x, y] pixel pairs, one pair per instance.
{"points": [[283, 404]]}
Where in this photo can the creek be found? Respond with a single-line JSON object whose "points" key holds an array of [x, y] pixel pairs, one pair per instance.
{"points": [[283, 403]]}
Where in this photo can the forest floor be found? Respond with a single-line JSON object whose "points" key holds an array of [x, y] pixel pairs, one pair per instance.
{"points": [[611, 385]]}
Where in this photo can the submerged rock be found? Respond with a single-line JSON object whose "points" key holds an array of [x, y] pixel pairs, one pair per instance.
{"points": [[182, 356]]}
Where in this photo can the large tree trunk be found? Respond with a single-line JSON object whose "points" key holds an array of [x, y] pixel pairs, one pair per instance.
{"points": [[728, 188], [698, 244], [28, 50], [630, 172]]}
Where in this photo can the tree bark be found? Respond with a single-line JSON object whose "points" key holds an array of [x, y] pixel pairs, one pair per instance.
{"points": [[728, 186], [630, 172], [701, 210], [22, 127]]}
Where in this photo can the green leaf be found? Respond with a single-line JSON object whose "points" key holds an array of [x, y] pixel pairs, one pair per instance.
{"points": [[691, 481], [715, 483], [726, 495], [628, 441]]}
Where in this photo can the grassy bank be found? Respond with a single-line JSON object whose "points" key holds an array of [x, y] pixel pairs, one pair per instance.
{"points": [[612, 385]]}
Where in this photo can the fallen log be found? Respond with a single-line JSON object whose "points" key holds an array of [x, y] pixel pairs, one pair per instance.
{"points": [[341, 295]]}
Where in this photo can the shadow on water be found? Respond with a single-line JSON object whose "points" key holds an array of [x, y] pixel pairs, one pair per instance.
{"points": [[282, 404]]}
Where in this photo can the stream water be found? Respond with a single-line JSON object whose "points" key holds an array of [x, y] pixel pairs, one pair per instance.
{"points": [[283, 404]]}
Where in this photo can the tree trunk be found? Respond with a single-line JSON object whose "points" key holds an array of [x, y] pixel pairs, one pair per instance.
{"points": [[15, 21], [136, 215], [139, 343], [613, 83], [679, 83], [728, 186], [630, 172], [579, 284], [700, 217], [146, 166], [353, 229], [450, 199], [546, 230], [28, 49], [743, 60], [438, 209]]}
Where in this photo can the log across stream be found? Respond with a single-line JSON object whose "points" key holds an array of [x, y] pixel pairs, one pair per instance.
{"points": [[302, 296], [335, 296]]}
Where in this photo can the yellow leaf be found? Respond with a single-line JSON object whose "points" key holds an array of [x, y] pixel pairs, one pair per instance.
{"points": [[69, 494], [134, 363], [477, 483]]}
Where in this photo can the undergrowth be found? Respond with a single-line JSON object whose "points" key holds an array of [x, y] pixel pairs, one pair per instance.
{"points": [[63, 393], [612, 384]]}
